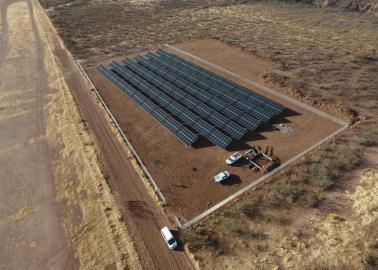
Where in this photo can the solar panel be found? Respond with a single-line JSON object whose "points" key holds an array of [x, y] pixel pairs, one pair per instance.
{"points": [[234, 100], [208, 113], [208, 85], [174, 107], [172, 89], [250, 96], [242, 91], [181, 132], [211, 100], [196, 91]]}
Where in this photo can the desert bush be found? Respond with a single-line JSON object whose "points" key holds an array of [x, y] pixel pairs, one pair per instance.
{"points": [[326, 183], [250, 234], [200, 239], [309, 200], [252, 211], [370, 261], [368, 135]]}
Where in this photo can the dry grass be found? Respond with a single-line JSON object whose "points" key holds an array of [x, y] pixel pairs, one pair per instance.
{"points": [[92, 221], [329, 55], [326, 56]]}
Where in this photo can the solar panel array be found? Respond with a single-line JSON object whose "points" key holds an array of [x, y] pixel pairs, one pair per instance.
{"points": [[222, 106], [216, 118], [200, 72], [165, 119], [189, 100]]}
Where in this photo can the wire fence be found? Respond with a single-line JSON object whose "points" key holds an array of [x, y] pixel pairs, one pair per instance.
{"points": [[125, 139]]}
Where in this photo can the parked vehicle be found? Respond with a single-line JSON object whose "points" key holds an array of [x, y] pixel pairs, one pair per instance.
{"points": [[233, 158], [168, 238], [220, 177]]}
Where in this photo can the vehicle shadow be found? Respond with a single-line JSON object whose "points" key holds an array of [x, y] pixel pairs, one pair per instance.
{"points": [[177, 236], [243, 163], [232, 180]]}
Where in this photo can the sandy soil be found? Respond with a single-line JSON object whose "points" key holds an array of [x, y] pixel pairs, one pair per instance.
{"points": [[328, 56], [57, 211], [184, 173], [138, 211], [31, 230]]}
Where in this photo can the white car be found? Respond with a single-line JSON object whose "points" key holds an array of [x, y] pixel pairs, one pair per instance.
{"points": [[221, 176], [168, 238], [233, 158]]}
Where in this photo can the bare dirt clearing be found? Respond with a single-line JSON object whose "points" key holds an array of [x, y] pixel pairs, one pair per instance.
{"points": [[184, 174]]}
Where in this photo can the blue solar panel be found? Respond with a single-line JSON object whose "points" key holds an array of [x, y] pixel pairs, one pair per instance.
{"points": [[231, 98], [174, 107], [171, 88], [192, 103], [209, 99], [250, 96], [253, 97], [177, 129]]}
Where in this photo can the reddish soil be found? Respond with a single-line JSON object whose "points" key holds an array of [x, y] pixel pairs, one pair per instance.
{"points": [[184, 174]]}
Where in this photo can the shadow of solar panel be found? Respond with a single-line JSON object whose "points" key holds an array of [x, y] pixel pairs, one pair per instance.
{"points": [[252, 97], [192, 103], [177, 129]]}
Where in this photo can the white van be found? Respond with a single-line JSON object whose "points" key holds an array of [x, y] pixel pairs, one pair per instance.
{"points": [[168, 238]]}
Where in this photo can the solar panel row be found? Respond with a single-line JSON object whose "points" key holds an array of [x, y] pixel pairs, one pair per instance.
{"points": [[173, 89], [237, 101], [226, 124], [177, 129], [220, 105], [228, 85], [201, 126]]}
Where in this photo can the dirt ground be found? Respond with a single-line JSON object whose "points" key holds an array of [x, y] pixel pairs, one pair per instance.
{"points": [[120, 223], [56, 209], [184, 174], [31, 230], [326, 56], [344, 237]]}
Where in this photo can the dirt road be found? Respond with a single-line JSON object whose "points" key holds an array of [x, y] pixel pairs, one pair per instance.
{"points": [[139, 211], [56, 211], [31, 230]]}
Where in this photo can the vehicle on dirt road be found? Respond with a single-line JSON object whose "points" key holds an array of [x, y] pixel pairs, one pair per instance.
{"points": [[168, 238], [220, 177], [233, 158]]}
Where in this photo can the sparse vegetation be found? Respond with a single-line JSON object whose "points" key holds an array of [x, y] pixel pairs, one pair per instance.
{"points": [[327, 57]]}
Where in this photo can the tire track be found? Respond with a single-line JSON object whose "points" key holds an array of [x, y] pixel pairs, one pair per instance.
{"points": [[31, 164], [4, 33], [141, 215], [41, 74]]}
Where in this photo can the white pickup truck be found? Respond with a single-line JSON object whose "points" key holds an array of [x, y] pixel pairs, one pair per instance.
{"points": [[233, 158], [221, 176]]}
